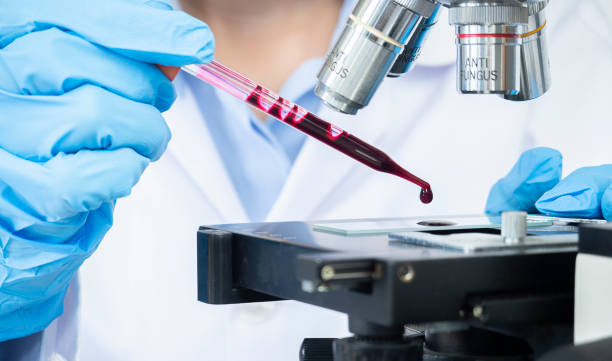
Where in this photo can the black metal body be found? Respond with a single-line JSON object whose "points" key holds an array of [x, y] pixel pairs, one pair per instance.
{"points": [[270, 261], [525, 294]]}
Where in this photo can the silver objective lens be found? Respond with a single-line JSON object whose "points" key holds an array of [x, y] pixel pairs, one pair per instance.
{"points": [[535, 67], [371, 41], [488, 45], [406, 60]]}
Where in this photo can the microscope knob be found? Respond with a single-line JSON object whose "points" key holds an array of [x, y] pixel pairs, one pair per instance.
{"points": [[514, 227], [407, 348], [317, 349]]}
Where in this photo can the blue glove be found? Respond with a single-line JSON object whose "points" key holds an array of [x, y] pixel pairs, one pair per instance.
{"points": [[80, 120], [534, 184]]}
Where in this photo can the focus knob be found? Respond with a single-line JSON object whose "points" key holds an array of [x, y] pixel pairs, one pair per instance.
{"points": [[514, 227], [317, 349]]}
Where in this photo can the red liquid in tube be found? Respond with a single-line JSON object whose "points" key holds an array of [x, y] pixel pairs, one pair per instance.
{"points": [[338, 139]]}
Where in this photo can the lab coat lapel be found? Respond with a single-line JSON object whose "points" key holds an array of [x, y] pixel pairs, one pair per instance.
{"points": [[194, 149]]}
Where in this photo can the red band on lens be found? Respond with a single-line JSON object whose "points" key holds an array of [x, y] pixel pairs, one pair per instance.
{"points": [[510, 36]]}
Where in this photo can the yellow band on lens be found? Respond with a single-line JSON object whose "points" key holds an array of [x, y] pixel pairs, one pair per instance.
{"points": [[376, 32], [534, 31]]}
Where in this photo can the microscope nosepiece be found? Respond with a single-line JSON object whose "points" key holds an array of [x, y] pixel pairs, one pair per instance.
{"points": [[501, 48]]}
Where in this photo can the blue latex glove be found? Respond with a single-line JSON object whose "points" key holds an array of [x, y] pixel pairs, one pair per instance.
{"points": [[534, 184], [80, 105]]}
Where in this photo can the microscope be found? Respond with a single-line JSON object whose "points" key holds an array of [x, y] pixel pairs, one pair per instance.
{"points": [[501, 48], [461, 288]]}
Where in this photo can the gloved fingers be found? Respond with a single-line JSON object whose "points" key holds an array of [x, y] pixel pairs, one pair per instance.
{"points": [[143, 31], [52, 62], [159, 4], [34, 274], [536, 171], [580, 194], [42, 246], [16, 218], [69, 184], [39, 127], [606, 204]]}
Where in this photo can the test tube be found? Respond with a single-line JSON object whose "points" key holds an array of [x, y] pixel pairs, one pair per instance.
{"points": [[292, 114]]}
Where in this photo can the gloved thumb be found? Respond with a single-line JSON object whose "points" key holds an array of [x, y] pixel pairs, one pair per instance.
{"points": [[584, 193], [606, 204], [536, 171], [143, 31]]}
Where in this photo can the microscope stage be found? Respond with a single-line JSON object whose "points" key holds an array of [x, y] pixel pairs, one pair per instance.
{"points": [[387, 272]]}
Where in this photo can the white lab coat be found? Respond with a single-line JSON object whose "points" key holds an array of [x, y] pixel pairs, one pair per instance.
{"points": [[138, 299]]}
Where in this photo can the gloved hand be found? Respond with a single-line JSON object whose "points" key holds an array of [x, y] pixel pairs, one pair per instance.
{"points": [[534, 184], [80, 105]]}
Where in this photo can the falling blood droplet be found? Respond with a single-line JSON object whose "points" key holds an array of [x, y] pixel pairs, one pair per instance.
{"points": [[426, 195]]}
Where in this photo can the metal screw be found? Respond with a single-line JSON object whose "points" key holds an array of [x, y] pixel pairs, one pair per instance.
{"points": [[405, 273], [327, 273]]}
